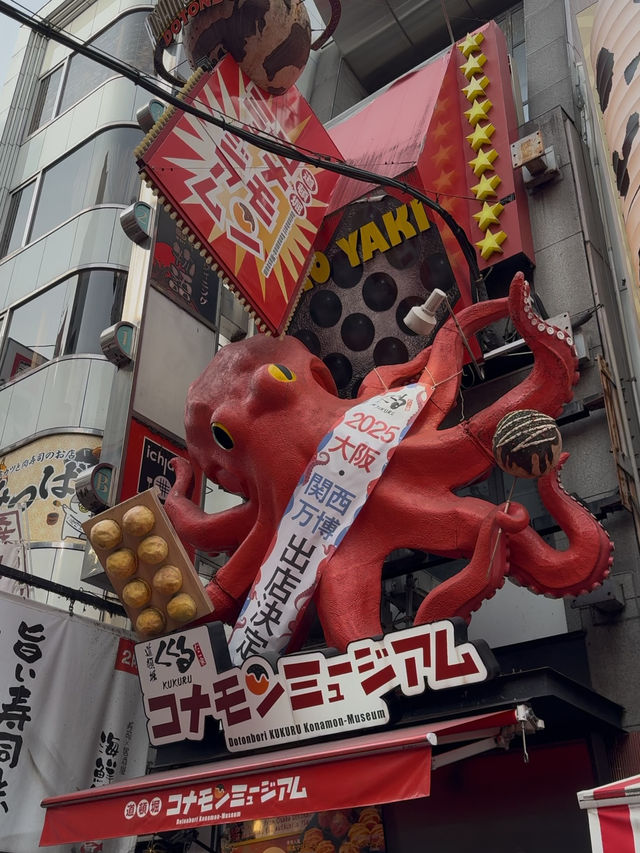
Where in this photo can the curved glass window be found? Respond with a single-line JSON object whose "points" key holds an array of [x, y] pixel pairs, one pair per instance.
{"points": [[66, 319], [126, 40], [101, 171]]}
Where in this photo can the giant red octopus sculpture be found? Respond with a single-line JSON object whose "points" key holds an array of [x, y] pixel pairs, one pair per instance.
{"points": [[253, 430]]}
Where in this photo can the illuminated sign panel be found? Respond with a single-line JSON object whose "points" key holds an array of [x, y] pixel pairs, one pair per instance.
{"points": [[253, 215]]}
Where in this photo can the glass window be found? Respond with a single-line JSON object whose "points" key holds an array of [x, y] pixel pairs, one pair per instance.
{"points": [[17, 215], [101, 171], [45, 99], [126, 40], [98, 304], [36, 330], [512, 25], [68, 318]]}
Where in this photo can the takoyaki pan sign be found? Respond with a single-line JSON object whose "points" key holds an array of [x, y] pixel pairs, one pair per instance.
{"points": [[302, 696]]}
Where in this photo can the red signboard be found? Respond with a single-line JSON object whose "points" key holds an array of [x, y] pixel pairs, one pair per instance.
{"points": [[213, 799], [146, 466], [255, 215], [147, 463], [371, 769], [446, 129]]}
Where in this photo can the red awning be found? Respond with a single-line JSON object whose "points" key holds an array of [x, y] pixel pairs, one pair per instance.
{"points": [[614, 816], [377, 768]]}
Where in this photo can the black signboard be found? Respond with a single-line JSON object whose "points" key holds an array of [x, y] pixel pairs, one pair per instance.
{"points": [[180, 272]]}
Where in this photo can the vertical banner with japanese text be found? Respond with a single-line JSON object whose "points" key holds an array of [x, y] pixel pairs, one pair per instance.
{"points": [[348, 463], [71, 715]]}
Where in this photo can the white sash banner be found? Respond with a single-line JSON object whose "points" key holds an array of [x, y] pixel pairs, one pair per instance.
{"points": [[70, 717], [349, 461]]}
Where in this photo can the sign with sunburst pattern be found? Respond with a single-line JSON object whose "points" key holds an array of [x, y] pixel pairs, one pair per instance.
{"points": [[253, 215]]}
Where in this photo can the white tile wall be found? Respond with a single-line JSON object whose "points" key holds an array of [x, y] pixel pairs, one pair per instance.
{"points": [[72, 392], [26, 271], [96, 398], [61, 402], [53, 56], [58, 251], [30, 155], [24, 402], [93, 237]]}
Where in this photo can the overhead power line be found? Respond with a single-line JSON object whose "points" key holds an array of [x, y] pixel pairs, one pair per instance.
{"points": [[266, 143]]}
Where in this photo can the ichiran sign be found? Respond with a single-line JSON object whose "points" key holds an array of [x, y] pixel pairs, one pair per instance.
{"points": [[301, 696]]}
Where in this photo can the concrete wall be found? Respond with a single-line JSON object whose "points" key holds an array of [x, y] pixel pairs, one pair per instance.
{"points": [[573, 274]]}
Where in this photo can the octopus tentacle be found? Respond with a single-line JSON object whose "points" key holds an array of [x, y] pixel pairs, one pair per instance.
{"points": [[550, 384], [580, 568], [221, 532], [463, 593], [440, 364]]}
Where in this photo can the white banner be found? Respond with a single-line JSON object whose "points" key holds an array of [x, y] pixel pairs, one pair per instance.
{"points": [[348, 463], [70, 717]]}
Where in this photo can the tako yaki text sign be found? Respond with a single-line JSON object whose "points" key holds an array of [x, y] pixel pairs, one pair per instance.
{"points": [[253, 214], [306, 695]]}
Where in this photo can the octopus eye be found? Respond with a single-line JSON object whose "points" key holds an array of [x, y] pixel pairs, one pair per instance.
{"points": [[222, 436], [281, 373]]}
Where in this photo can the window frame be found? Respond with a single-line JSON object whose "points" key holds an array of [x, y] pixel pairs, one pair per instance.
{"points": [[39, 180], [30, 130], [5, 237], [505, 22], [6, 316], [65, 65]]}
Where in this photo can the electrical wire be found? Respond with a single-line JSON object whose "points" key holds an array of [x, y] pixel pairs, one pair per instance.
{"points": [[262, 141]]}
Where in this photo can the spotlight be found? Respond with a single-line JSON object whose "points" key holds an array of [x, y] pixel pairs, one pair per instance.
{"points": [[422, 318], [422, 321]]}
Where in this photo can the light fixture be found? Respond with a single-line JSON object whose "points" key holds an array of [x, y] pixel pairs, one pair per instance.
{"points": [[538, 163], [136, 221], [421, 319], [117, 342], [93, 487]]}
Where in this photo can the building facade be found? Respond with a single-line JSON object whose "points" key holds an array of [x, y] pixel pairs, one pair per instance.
{"points": [[68, 271]]}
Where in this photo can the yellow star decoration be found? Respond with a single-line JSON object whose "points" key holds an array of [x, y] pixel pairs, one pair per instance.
{"points": [[481, 135], [478, 112], [470, 44], [473, 65], [488, 215], [476, 87], [486, 187], [483, 161], [491, 243]]}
